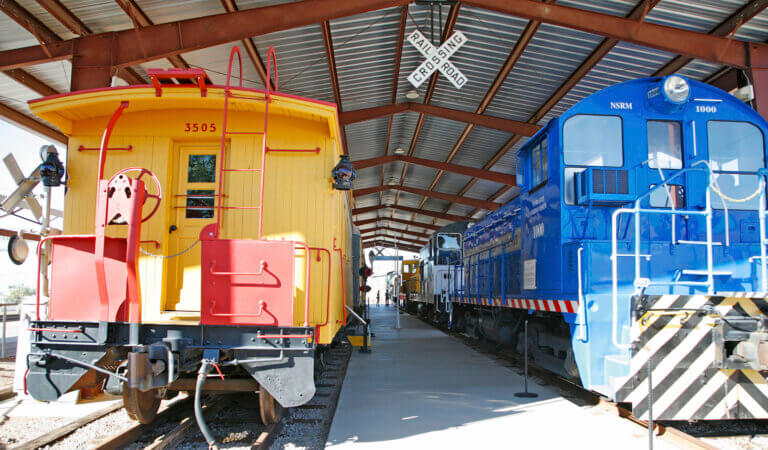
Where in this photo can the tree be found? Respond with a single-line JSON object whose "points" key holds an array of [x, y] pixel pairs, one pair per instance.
{"points": [[16, 292]]}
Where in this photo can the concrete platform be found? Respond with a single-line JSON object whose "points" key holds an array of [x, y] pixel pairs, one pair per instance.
{"points": [[421, 388]]}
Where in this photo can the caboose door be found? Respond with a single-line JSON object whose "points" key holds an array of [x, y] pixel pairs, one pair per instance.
{"points": [[194, 200]]}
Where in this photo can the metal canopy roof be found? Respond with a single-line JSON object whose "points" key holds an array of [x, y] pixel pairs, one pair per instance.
{"points": [[524, 65]]}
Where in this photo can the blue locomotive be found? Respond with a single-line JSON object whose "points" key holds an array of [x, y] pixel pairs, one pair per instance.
{"points": [[637, 246]]}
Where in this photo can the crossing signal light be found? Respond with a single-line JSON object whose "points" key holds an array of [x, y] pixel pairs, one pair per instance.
{"points": [[365, 271]]}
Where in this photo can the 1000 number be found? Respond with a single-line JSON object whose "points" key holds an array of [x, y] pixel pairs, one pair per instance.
{"points": [[194, 127]]}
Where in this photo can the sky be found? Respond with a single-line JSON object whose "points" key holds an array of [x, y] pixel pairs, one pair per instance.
{"points": [[25, 148]]}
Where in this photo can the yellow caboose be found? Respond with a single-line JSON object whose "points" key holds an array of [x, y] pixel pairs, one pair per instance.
{"points": [[216, 238]]}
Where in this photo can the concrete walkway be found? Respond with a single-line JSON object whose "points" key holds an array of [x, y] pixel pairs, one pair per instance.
{"points": [[421, 388]]}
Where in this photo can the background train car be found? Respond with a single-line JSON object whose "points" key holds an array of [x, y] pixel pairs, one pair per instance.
{"points": [[410, 276], [212, 271], [438, 260], [639, 227]]}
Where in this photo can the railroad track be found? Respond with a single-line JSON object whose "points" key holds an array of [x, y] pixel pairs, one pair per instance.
{"points": [[573, 391], [233, 418]]}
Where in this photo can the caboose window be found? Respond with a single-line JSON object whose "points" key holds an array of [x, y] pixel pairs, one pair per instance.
{"points": [[202, 169], [735, 148], [200, 203], [590, 140], [665, 145]]}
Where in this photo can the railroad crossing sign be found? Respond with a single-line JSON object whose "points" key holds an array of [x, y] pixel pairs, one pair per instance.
{"points": [[437, 59]]}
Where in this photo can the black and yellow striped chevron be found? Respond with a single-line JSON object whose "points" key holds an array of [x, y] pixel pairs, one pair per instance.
{"points": [[678, 340]]}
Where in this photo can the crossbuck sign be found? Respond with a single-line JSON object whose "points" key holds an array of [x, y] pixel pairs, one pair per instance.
{"points": [[437, 59]]}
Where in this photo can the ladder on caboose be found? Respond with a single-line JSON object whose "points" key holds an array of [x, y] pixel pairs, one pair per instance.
{"points": [[225, 133]]}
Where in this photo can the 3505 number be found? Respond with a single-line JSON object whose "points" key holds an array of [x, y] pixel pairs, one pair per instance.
{"points": [[196, 127]]}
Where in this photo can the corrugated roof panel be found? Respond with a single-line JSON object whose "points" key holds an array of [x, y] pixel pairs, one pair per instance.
{"points": [[483, 189], [100, 15], [625, 62], [365, 47], [15, 95], [419, 176], [699, 70], [452, 183], [301, 62], [403, 127], [12, 35], [408, 199], [612, 7], [57, 75], [508, 162], [490, 38], [34, 8], [392, 172], [551, 57], [437, 138], [367, 139], [215, 61], [368, 177], [756, 29], [701, 15], [480, 146]]}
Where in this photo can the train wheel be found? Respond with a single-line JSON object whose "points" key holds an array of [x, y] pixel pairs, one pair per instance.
{"points": [[270, 410], [141, 406]]}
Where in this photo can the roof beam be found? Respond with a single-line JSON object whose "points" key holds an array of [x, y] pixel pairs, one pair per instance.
{"points": [[140, 20], [135, 46], [331, 58], [31, 124], [390, 244], [497, 123], [477, 203], [394, 230], [250, 47], [426, 226], [731, 52], [401, 239], [498, 177], [425, 212], [728, 26]]}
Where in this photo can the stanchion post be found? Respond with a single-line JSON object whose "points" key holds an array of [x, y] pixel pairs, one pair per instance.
{"points": [[5, 306], [525, 393], [650, 406]]}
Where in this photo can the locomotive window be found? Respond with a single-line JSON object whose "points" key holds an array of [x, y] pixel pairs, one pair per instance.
{"points": [[590, 140], [200, 203], [202, 169], [735, 147], [539, 164], [670, 196], [665, 145]]}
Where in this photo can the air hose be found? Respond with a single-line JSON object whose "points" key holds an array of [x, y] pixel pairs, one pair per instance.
{"points": [[202, 374]]}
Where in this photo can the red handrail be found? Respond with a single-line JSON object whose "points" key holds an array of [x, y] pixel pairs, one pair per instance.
{"points": [[262, 267], [328, 296], [105, 142], [343, 288]]}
